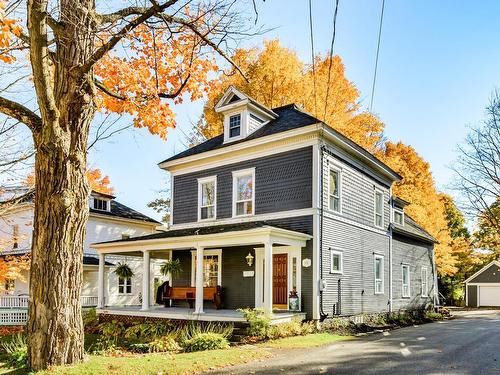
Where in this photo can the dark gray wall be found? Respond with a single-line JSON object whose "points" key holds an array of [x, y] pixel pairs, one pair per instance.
{"points": [[489, 275], [472, 296], [282, 182]]}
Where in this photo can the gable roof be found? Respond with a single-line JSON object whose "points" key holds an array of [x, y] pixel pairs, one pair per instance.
{"points": [[495, 262], [235, 98], [412, 229]]}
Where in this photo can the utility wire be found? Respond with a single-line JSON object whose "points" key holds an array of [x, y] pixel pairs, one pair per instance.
{"points": [[331, 56], [312, 54], [376, 57]]}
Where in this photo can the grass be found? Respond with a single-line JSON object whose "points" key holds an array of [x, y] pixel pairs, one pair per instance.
{"points": [[308, 341]]}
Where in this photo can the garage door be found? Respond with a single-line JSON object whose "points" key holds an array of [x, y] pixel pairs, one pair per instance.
{"points": [[489, 295]]}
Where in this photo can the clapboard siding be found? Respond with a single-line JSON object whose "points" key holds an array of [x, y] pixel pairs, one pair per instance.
{"points": [[359, 247], [282, 182], [417, 255], [489, 275], [357, 191]]}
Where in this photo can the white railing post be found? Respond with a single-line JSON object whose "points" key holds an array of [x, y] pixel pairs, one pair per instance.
{"points": [[146, 280], [199, 281], [268, 277]]}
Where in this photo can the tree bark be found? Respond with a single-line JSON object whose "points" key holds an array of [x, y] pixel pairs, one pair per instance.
{"points": [[55, 328]]}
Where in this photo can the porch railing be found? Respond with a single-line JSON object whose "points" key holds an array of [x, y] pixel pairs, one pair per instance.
{"points": [[21, 302], [88, 301], [13, 317]]}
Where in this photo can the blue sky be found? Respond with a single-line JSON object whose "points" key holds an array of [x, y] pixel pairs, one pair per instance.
{"points": [[439, 62]]}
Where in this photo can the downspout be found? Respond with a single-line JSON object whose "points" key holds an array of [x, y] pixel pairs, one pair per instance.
{"points": [[322, 314], [391, 307]]}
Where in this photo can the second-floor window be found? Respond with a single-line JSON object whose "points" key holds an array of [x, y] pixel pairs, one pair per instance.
{"points": [[398, 216], [406, 293], [243, 192], [379, 274], [207, 190], [234, 126], [101, 204], [15, 236], [124, 285], [334, 190], [379, 209]]}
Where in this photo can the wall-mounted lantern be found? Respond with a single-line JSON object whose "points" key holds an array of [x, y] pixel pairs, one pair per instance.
{"points": [[249, 259]]}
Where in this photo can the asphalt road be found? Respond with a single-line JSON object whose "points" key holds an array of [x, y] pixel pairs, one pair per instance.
{"points": [[468, 345]]}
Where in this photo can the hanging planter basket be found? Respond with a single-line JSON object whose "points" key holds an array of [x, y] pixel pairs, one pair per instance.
{"points": [[172, 267], [123, 270]]}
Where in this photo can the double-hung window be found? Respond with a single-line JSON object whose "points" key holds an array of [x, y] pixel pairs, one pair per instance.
{"points": [[334, 190], [398, 216], [207, 197], [101, 204], [379, 209], [244, 192], [336, 261], [124, 285], [425, 285], [379, 274], [234, 126], [405, 268], [15, 236]]}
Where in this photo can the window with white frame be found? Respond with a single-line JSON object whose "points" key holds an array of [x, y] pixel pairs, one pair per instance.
{"points": [[336, 261], [101, 204], [425, 285], [234, 126], [9, 286], [15, 236], [212, 275], [125, 285], [207, 196], [379, 209], [398, 216], [405, 269], [334, 190], [379, 274], [243, 192]]}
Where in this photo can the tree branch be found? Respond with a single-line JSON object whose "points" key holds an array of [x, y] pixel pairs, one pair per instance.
{"points": [[20, 113], [101, 86]]}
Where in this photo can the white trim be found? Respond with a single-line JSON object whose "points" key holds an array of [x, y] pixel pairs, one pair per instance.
{"points": [[123, 219], [171, 218], [336, 216], [424, 293], [407, 266], [338, 170], [317, 200], [218, 253], [340, 253], [382, 271], [484, 284], [399, 210], [482, 270], [236, 175], [377, 191], [202, 181], [125, 284]]}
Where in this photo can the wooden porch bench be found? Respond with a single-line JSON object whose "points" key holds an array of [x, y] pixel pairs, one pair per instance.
{"points": [[188, 293]]}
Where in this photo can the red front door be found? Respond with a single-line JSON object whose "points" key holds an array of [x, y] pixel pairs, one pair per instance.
{"points": [[280, 279]]}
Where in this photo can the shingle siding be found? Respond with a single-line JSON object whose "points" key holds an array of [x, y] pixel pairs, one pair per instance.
{"points": [[416, 254], [282, 182]]}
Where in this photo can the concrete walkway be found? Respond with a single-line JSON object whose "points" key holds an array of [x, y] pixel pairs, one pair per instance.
{"points": [[468, 345]]}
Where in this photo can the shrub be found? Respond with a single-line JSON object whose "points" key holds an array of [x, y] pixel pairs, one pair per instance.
{"points": [[259, 325], [293, 328], [147, 331], [102, 345], [432, 315], [339, 325], [206, 341], [165, 343], [111, 331], [17, 351], [90, 320], [139, 347]]}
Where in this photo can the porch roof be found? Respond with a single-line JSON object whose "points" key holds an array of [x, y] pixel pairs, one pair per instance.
{"points": [[251, 233]]}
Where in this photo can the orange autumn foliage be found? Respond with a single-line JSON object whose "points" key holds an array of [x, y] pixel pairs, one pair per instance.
{"points": [[9, 30], [12, 267], [276, 76]]}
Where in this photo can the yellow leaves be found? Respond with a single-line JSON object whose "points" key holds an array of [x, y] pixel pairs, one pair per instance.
{"points": [[11, 267], [9, 30], [98, 182]]}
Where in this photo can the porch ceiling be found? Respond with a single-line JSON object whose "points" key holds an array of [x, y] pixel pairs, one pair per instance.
{"points": [[255, 233]]}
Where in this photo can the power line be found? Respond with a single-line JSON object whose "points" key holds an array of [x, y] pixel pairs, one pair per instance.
{"points": [[376, 57], [312, 54], [331, 57]]}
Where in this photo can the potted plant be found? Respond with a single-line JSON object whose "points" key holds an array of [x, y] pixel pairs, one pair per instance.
{"points": [[123, 270], [172, 267]]}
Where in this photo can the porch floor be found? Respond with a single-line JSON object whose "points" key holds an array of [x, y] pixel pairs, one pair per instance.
{"points": [[209, 315]]}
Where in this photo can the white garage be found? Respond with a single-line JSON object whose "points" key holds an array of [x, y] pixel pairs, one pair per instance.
{"points": [[483, 288]]}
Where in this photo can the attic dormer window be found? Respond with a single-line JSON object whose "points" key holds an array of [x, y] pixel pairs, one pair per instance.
{"points": [[101, 204], [234, 126]]}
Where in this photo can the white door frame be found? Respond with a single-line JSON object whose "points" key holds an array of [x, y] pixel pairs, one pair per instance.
{"points": [[292, 252]]}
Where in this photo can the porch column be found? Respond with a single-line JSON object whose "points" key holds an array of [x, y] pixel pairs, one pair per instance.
{"points": [[100, 282], [268, 277], [199, 281], [146, 280]]}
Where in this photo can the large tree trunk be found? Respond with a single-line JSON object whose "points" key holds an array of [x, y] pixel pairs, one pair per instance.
{"points": [[55, 328]]}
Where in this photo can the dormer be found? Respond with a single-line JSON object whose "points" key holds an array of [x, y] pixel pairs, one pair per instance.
{"points": [[242, 115], [398, 213], [100, 201]]}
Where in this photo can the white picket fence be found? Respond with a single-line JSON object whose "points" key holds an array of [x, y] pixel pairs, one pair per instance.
{"points": [[14, 302]]}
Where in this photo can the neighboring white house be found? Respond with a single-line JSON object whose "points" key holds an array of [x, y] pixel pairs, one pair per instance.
{"points": [[108, 220]]}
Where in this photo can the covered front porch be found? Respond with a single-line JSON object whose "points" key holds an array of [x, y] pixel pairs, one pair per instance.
{"points": [[252, 265]]}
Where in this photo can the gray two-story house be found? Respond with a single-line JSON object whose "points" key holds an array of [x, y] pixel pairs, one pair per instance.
{"points": [[282, 212]]}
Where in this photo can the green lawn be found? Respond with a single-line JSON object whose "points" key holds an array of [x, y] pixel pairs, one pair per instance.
{"points": [[308, 341]]}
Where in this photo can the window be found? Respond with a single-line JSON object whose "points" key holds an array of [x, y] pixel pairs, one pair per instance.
{"points": [[9, 285], [334, 190], [207, 195], [124, 285], [101, 204], [425, 286], [243, 192], [15, 236], [406, 280], [125, 236], [336, 261], [234, 126], [398, 216], [212, 275], [379, 274], [379, 209]]}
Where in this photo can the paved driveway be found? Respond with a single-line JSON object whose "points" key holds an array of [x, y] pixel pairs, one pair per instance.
{"points": [[468, 345]]}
